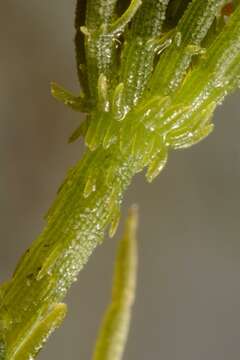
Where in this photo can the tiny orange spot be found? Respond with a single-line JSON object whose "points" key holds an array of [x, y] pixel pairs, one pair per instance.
{"points": [[227, 10]]}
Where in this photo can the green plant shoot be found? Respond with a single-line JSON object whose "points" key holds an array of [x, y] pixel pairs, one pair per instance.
{"points": [[152, 73]]}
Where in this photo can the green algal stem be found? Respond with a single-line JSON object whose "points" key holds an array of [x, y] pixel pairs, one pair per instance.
{"points": [[141, 47], [100, 47], [101, 32], [75, 226], [205, 88], [187, 38], [36, 335], [185, 118], [218, 73]]}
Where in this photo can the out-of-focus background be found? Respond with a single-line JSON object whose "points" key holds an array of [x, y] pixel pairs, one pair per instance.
{"points": [[188, 293]]}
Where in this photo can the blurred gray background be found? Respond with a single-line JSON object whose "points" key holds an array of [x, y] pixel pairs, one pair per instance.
{"points": [[188, 293]]}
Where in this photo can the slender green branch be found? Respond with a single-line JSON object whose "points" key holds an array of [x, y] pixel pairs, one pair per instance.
{"points": [[113, 333], [80, 18], [141, 48], [189, 33]]}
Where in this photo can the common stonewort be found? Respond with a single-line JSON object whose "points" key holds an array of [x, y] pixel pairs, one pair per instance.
{"points": [[151, 74]]}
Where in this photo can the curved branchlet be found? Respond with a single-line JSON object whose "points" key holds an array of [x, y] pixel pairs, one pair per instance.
{"points": [[77, 103], [119, 25], [114, 330]]}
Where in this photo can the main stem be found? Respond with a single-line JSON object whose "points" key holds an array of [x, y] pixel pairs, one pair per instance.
{"points": [[87, 202]]}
